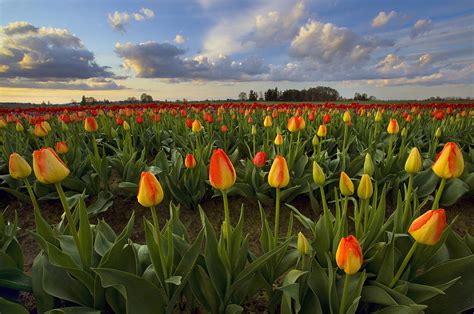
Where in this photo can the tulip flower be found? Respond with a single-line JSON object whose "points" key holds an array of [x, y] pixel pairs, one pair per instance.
{"points": [[368, 165], [224, 128], [414, 162], [426, 229], [302, 244], [46, 125], [221, 171], [292, 125], [40, 130], [126, 126], [48, 167], [3, 124], [279, 176], [196, 126], [150, 192], [326, 118], [346, 117], [378, 116], [259, 159], [18, 167], [318, 174], [189, 123], [392, 127], [268, 122], [19, 127], [438, 132], [449, 162], [278, 139], [90, 124], [62, 148], [365, 189], [349, 255], [190, 161], [345, 184], [322, 131]]}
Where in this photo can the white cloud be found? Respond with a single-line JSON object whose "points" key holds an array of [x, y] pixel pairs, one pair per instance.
{"points": [[425, 59], [383, 18], [421, 26], [392, 64], [179, 39], [86, 84], [120, 20]]}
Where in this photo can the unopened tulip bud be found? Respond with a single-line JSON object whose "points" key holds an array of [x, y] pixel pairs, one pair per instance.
{"points": [[392, 127], [349, 255], [90, 124], [259, 159], [126, 126], [48, 167], [221, 171], [196, 127], [19, 127], [427, 228], [414, 162], [278, 139], [292, 125], [150, 192], [347, 117], [267, 122], [279, 175], [378, 116], [345, 184], [3, 124], [368, 165], [438, 132], [40, 130], [254, 130], [302, 244], [62, 148], [365, 189], [318, 174], [18, 167], [315, 140], [113, 132], [322, 131], [449, 162], [190, 161], [404, 132]]}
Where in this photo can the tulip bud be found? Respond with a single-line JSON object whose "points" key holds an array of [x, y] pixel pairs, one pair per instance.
{"points": [[279, 175], [48, 167], [126, 126], [414, 162], [449, 162], [62, 148], [196, 127], [349, 255], [278, 139], [3, 124], [392, 127], [19, 127], [404, 132], [150, 192], [326, 118], [40, 130], [322, 130], [190, 161], [318, 174], [221, 171], [302, 244], [368, 165], [438, 132], [378, 116], [90, 124], [347, 117], [254, 130], [365, 189], [315, 140], [224, 128], [18, 167], [292, 124], [259, 159], [427, 228], [113, 132], [345, 184], [267, 122]]}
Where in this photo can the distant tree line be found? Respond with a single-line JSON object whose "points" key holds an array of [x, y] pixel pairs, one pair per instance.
{"points": [[319, 93]]}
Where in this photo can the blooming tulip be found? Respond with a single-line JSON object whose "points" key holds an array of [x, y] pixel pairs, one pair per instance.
{"points": [[196, 127], [90, 124], [221, 171], [427, 228], [259, 159], [279, 176], [449, 162], [48, 167], [40, 130], [150, 192], [365, 189], [267, 122], [414, 163], [392, 127], [190, 161], [349, 255], [292, 124], [345, 184], [18, 167]]}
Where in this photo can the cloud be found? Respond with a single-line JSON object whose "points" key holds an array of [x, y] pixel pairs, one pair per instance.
{"points": [[179, 39], [421, 26], [164, 60], [383, 18], [120, 20], [45, 54], [87, 84]]}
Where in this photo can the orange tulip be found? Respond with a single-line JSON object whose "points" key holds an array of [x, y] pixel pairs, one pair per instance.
{"points": [[259, 159], [48, 167], [190, 161], [279, 175], [292, 125], [40, 130], [449, 162], [427, 228], [18, 167], [196, 126], [322, 130], [278, 139], [349, 255], [150, 192], [393, 127], [62, 148], [267, 122], [221, 171], [90, 124]]}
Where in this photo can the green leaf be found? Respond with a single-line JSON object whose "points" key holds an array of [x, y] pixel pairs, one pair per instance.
{"points": [[102, 204], [454, 190], [8, 307], [74, 310], [374, 294]]}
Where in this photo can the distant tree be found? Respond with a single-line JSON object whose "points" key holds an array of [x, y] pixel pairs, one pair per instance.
{"points": [[253, 95], [132, 99], [83, 101], [272, 94], [361, 97], [242, 96], [145, 98]]}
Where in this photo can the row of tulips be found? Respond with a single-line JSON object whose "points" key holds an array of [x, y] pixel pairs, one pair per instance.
{"points": [[352, 259]]}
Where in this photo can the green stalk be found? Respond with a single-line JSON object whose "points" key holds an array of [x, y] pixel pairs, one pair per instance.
{"points": [[227, 221], [277, 216], [407, 201], [31, 194], [438, 194], [344, 295], [346, 130], [403, 265]]}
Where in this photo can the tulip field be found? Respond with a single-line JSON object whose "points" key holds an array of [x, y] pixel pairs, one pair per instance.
{"points": [[351, 208]]}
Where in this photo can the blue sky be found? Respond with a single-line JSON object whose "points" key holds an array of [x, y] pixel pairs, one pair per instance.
{"points": [[60, 50]]}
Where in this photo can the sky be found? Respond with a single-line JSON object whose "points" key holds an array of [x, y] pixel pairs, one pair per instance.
{"points": [[59, 50]]}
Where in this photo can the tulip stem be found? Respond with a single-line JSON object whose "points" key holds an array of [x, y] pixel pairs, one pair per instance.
{"points": [[344, 294], [346, 129], [404, 265], [227, 221], [438, 194], [277, 216], [407, 201], [155, 219], [32, 195]]}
